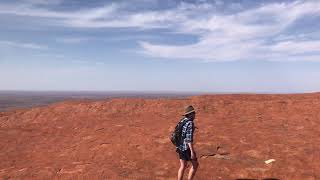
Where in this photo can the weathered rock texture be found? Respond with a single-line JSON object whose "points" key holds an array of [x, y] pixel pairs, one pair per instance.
{"points": [[129, 138]]}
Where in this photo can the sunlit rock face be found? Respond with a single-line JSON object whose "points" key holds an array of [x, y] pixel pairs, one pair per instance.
{"points": [[129, 138]]}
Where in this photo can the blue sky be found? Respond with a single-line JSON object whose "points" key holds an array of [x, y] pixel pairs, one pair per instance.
{"points": [[160, 45]]}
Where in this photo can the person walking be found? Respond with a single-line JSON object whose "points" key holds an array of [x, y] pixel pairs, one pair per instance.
{"points": [[185, 149]]}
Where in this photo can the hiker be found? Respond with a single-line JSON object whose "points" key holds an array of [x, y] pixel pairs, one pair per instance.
{"points": [[185, 149]]}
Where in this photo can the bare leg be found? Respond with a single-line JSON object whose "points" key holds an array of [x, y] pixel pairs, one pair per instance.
{"points": [[193, 169], [183, 165]]}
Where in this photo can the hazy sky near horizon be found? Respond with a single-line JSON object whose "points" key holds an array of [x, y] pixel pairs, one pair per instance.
{"points": [[160, 45]]}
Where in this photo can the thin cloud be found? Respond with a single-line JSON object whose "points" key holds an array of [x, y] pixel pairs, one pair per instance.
{"points": [[43, 2], [72, 40], [108, 16], [33, 11], [23, 45], [245, 34]]}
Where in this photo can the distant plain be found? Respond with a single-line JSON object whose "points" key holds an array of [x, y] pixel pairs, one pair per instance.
{"points": [[11, 100]]}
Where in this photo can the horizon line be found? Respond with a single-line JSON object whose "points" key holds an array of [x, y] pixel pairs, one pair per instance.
{"points": [[159, 92]]}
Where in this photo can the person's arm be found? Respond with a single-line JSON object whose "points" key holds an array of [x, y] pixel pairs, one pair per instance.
{"points": [[190, 144], [189, 140]]}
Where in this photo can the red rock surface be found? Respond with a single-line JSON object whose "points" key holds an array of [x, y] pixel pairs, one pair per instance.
{"points": [[128, 138]]}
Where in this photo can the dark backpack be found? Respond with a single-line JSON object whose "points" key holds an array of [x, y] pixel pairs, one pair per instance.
{"points": [[176, 135]]}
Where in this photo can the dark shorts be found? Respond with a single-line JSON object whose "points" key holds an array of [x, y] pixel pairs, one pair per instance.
{"points": [[184, 155]]}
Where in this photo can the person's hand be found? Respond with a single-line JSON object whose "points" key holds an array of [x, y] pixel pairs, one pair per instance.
{"points": [[193, 156]]}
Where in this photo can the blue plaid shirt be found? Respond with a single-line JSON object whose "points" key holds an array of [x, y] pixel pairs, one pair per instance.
{"points": [[187, 134]]}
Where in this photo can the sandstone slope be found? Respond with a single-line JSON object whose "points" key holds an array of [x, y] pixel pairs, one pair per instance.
{"points": [[128, 138]]}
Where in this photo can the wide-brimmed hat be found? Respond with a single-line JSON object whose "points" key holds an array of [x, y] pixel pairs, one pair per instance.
{"points": [[188, 110]]}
